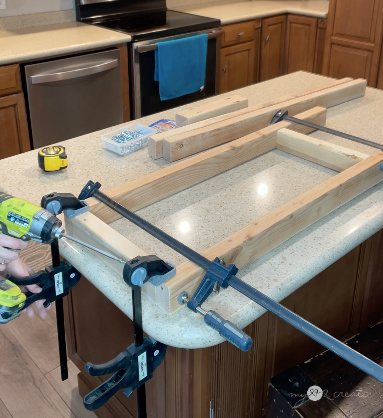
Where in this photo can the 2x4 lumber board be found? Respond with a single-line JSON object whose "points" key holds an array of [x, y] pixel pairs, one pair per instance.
{"points": [[90, 229], [156, 186], [185, 144], [267, 232], [209, 110], [332, 156], [156, 141]]}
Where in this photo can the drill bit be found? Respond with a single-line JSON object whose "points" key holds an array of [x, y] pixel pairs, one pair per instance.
{"points": [[62, 234]]}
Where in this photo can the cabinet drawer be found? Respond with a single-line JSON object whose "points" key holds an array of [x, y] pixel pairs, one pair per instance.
{"points": [[10, 80], [238, 33]]}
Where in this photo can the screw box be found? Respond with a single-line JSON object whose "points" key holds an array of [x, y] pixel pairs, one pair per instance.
{"points": [[110, 140]]}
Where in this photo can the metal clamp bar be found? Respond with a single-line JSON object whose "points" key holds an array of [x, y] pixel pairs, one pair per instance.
{"points": [[334, 132], [331, 343], [284, 116], [152, 47], [79, 72]]}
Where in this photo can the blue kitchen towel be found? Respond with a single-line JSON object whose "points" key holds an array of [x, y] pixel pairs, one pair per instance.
{"points": [[180, 66]]}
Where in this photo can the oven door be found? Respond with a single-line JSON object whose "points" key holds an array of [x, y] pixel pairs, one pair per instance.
{"points": [[146, 98]]}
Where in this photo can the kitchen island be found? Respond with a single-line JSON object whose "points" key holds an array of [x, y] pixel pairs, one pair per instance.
{"points": [[330, 273]]}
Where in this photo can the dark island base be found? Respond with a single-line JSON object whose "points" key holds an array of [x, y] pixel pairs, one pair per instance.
{"points": [[343, 300]]}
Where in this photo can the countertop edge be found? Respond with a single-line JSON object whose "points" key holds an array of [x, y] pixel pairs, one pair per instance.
{"points": [[213, 12], [51, 53]]}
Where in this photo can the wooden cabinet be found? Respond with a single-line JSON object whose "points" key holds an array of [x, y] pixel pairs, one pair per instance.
{"points": [[301, 36], [14, 136], [305, 39], [354, 39], [272, 47], [222, 381], [263, 49], [239, 55]]}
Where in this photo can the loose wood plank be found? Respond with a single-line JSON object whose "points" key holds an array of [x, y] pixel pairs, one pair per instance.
{"points": [[160, 184], [260, 237], [321, 152], [184, 144], [156, 141], [209, 110]]}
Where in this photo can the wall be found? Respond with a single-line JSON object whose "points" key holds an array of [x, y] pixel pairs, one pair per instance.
{"points": [[23, 7]]}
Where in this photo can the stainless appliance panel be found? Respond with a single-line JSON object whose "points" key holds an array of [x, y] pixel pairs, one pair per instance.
{"points": [[146, 98], [73, 96]]}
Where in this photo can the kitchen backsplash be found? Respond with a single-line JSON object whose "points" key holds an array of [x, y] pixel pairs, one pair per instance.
{"points": [[23, 7]]}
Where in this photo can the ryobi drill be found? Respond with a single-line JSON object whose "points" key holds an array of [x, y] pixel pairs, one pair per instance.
{"points": [[26, 221]]}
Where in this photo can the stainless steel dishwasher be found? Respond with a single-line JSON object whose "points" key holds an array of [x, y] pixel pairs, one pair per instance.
{"points": [[73, 96]]}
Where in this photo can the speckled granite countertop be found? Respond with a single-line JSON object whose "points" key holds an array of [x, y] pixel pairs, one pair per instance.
{"points": [[209, 212], [22, 44], [229, 11]]}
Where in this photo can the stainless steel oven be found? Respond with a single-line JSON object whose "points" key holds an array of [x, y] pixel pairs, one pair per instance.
{"points": [[146, 98], [147, 22]]}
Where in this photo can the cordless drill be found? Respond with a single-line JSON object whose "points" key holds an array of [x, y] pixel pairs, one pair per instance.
{"points": [[26, 221]]}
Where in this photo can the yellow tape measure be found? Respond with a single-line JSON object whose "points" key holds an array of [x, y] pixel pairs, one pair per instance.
{"points": [[53, 158]]}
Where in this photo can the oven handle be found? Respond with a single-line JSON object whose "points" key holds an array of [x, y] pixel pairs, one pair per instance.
{"points": [[153, 47], [79, 72]]}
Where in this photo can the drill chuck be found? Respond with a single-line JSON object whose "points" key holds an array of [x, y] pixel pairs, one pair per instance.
{"points": [[44, 227]]}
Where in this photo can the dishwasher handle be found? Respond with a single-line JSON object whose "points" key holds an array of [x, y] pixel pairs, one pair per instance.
{"points": [[79, 72]]}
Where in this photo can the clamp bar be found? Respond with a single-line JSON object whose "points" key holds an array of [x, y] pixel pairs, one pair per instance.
{"points": [[279, 116], [60, 317], [331, 343], [347, 353]]}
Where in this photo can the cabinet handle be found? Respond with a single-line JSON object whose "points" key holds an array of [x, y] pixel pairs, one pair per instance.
{"points": [[224, 69], [267, 39], [241, 34]]}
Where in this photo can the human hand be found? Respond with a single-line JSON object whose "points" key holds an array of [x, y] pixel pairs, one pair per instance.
{"points": [[9, 252], [10, 263]]}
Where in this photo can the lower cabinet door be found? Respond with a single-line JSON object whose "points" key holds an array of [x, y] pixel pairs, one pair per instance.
{"points": [[14, 136], [237, 66]]}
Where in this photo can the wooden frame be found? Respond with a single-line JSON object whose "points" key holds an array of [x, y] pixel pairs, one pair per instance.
{"points": [[358, 172]]}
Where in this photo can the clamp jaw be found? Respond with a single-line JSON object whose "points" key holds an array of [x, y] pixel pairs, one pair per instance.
{"points": [[148, 268], [132, 368], [217, 273]]}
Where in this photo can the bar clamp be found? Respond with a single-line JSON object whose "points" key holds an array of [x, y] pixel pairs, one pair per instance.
{"points": [[132, 368]]}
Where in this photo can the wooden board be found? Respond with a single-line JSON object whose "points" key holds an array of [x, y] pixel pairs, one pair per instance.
{"points": [[320, 152], [156, 186], [205, 111], [184, 144], [155, 147], [260, 237], [269, 231]]}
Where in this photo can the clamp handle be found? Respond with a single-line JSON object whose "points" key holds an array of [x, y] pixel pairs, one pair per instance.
{"points": [[55, 282], [133, 368], [228, 330]]}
